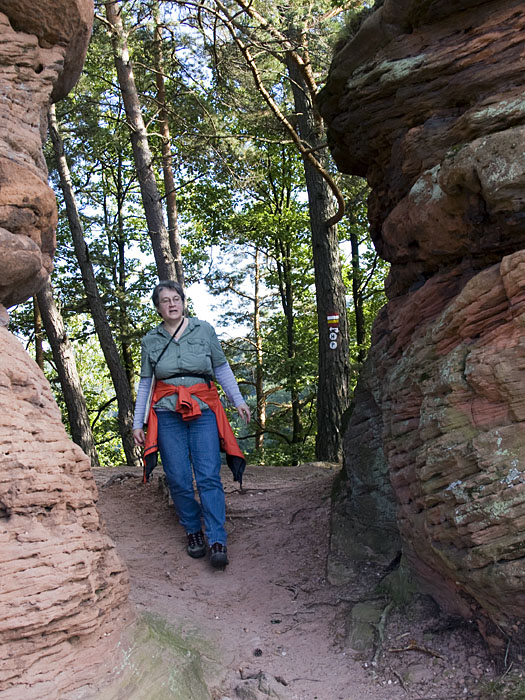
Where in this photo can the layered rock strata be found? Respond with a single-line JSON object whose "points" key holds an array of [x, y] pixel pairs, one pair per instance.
{"points": [[41, 55], [63, 589], [426, 101]]}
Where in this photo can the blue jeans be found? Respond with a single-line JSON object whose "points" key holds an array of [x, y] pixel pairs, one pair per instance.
{"points": [[195, 443]]}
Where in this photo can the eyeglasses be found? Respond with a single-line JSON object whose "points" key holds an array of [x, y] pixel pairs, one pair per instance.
{"points": [[172, 300]]}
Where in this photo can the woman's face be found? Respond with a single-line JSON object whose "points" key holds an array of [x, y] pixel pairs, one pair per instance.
{"points": [[171, 306]]}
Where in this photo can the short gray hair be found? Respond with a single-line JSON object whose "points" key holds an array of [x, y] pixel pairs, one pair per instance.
{"points": [[166, 284]]}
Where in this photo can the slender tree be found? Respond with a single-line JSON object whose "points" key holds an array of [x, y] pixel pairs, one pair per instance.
{"points": [[357, 296], [103, 330], [66, 366], [115, 230], [165, 135], [151, 198], [39, 346], [260, 397], [366, 270], [334, 368]]}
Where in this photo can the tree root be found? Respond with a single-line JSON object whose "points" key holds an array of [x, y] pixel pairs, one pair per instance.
{"points": [[414, 646]]}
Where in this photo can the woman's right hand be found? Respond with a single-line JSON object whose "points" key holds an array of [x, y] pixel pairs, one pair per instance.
{"points": [[139, 437]]}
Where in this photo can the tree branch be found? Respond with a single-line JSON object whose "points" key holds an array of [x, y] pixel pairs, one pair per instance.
{"points": [[305, 152]]}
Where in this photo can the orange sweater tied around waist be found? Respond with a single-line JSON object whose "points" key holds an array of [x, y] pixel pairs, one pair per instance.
{"points": [[189, 409]]}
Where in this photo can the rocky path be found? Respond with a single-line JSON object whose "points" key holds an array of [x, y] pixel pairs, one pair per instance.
{"points": [[270, 625]]}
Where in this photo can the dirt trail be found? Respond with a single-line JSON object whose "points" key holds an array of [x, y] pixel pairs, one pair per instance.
{"points": [[272, 609]]}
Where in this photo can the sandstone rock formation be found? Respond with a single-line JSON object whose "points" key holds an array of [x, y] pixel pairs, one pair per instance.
{"points": [[426, 101], [62, 585], [63, 589], [41, 55]]}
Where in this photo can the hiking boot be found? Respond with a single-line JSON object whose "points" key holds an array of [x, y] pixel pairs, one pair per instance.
{"points": [[196, 547], [218, 556]]}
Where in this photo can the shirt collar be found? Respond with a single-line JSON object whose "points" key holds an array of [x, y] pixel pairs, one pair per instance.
{"points": [[193, 321]]}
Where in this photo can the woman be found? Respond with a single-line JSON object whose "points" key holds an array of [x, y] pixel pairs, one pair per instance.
{"points": [[183, 354]]}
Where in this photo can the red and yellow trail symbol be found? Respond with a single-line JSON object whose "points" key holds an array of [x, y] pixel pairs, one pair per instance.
{"points": [[333, 329]]}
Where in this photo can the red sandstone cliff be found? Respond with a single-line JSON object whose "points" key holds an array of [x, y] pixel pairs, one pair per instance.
{"points": [[426, 101]]}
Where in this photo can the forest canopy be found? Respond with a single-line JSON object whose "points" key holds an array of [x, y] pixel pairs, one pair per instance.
{"points": [[192, 149]]}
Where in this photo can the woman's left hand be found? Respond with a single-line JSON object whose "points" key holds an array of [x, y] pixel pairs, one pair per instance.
{"points": [[244, 412]]}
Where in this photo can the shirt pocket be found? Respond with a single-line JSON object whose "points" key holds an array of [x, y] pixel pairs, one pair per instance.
{"points": [[197, 346], [196, 356], [154, 353]]}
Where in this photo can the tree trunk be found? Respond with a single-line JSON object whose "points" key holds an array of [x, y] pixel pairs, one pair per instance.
{"points": [[120, 286], [151, 199], [286, 292], [334, 367], [103, 330], [167, 168], [357, 296], [37, 322], [66, 365], [259, 370]]}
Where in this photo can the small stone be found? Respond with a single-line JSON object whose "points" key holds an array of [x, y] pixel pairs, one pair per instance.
{"points": [[247, 690], [418, 673]]}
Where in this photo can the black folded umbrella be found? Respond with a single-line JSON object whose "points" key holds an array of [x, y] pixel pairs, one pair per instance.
{"points": [[237, 466]]}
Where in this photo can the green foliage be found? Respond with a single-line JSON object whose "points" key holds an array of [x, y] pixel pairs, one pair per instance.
{"points": [[353, 19], [243, 216], [262, 228], [100, 398], [98, 149], [364, 272]]}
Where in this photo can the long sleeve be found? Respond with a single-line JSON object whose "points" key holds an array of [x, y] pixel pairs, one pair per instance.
{"points": [[140, 403], [224, 376]]}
